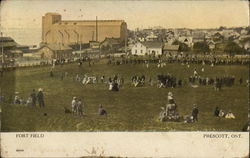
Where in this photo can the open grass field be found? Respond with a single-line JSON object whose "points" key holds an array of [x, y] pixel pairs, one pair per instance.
{"points": [[130, 109]]}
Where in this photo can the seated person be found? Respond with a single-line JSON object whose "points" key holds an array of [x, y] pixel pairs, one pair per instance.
{"points": [[162, 114], [17, 100], [230, 115], [29, 102], [101, 110], [188, 119], [221, 113]]}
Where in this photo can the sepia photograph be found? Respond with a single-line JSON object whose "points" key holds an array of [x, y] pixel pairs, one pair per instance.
{"points": [[124, 66]]}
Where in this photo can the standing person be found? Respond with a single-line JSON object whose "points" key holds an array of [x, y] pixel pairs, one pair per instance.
{"points": [[51, 73], [217, 111], [195, 112], [74, 105], [62, 76], [240, 81], [195, 73], [79, 107], [40, 98], [33, 97]]}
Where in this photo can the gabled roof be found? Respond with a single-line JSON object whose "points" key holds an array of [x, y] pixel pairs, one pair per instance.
{"points": [[111, 40], [7, 42], [171, 47], [151, 44]]}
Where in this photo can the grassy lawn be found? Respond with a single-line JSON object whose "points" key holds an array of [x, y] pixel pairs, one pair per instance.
{"points": [[130, 109]]}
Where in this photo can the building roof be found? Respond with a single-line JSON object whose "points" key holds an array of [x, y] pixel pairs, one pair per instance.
{"points": [[57, 47], [152, 44], [111, 40], [7, 42], [90, 22], [171, 47]]}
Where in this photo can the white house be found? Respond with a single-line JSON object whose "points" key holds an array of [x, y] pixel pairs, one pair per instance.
{"points": [[150, 48]]}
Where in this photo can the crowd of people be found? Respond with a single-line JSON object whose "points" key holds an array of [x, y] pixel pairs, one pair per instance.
{"points": [[161, 60]]}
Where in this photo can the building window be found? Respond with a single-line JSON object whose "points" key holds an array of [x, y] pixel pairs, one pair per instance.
{"points": [[135, 51], [141, 51]]}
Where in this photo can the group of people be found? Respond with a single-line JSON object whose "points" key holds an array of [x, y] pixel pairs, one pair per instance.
{"points": [[170, 113], [115, 83], [138, 81], [32, 99], [77, 108], [168, 81], [221, 113]]}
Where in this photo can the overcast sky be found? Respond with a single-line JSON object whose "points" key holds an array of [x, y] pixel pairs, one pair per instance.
{"points": [[169, 14]]}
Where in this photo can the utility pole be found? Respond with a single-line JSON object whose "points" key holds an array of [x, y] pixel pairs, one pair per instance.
{"points": [[2, 50], [80, 42], [126, 42], [96, 38]]}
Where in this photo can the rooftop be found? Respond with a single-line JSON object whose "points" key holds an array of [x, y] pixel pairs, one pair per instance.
{"points": [[152, 44], [171, 47]]}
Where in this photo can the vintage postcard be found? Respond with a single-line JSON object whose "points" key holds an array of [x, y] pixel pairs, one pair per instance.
{"points": [[126, 78]]}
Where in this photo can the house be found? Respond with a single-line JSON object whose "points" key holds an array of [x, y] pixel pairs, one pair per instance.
{"points": [[147, 48], [217, 37], [94, 44], [55, 51], [170, 49], [211, 45], [244, 42], [110, 45]]}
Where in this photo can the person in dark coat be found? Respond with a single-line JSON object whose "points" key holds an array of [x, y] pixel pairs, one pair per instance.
{"points": [[51, 74], [195, 112], [217, 111], [40, 98], [33, 97]]}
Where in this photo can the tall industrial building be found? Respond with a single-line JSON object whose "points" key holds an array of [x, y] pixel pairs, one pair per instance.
{"points": [[58, 31]]}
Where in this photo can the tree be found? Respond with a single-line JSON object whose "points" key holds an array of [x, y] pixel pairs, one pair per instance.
{"points": [[201, 47], [233, 48], [182, 46]]}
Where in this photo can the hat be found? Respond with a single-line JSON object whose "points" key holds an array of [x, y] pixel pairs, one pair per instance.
{"points": [[74, 97], [170, 94]]}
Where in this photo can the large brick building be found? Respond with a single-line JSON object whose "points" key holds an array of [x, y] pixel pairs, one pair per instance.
{"points": [[55, 30]]}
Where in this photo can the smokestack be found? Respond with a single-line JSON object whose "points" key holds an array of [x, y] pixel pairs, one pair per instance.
{"points": [[96, 30]]}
